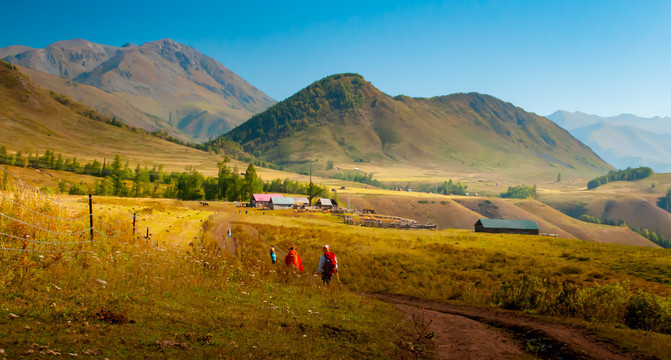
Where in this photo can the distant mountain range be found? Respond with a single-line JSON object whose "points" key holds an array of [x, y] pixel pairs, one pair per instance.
{"points": [[345, 119], [160, 85], [623, 141]]}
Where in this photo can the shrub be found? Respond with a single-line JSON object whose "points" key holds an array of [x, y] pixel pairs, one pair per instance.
{"points": [[649, 312]]}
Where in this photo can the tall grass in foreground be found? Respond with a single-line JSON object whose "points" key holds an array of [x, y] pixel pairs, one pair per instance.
{"points": [[542, 276], [124, 298]]}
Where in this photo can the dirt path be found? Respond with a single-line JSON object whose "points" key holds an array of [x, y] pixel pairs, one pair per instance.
{"points": [[466, 332], [218, 232], [458, 337]]}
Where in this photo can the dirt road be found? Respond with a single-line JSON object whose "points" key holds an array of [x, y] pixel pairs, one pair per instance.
{"points": [[466, 332]]}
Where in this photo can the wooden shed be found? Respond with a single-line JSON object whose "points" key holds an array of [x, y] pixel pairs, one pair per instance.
{"points": [[277, 203], [261, 200], [324, 204], [301, 203], [503, 226]]}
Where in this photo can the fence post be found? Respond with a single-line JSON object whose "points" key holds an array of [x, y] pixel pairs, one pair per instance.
{"points": [[134, 225], [147, 233], [91, 215]]}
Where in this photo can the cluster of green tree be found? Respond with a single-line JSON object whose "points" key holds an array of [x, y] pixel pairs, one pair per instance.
{"points": [[229, 185], [120, 180], [628, 174], [653, 236], [336, 92], [520, 192], [56, 162], [597, 220], [357, 176], [665, 201], [450, 188]]}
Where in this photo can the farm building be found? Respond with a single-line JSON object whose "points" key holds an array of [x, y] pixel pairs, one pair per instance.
{"points": [[277, 203], [324, 204], [528, 227], [261, 200], [301, 203]]}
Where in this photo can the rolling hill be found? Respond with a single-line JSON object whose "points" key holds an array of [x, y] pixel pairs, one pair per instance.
{"points": [[345, 119], [623, 141], [159, 85], [35, 119], [461, 212]]}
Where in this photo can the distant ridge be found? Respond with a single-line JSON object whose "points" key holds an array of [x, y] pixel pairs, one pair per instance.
{"points": [[625, 140], [344, 118], [171, 82]]}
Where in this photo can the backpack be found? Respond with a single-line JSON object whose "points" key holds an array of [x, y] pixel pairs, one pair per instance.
{"points": [[329, 263]]}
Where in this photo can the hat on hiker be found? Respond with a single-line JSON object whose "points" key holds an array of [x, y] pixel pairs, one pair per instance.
{"points": [[326, 247], [292, 248]]}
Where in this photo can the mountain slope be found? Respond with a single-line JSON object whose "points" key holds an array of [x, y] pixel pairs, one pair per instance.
{"points": [[188, 91], [34, 119], [107, 103], [625, 140], [345, 119]]}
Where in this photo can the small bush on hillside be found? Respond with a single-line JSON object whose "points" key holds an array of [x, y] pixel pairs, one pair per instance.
{"points": [[649, 312]]}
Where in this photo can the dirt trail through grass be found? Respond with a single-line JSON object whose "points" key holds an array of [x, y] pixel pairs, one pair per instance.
{"points": [[466, 332], [218, 232]]}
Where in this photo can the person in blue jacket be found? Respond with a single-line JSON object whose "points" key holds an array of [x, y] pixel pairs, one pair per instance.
{"points": [[273, 256]]}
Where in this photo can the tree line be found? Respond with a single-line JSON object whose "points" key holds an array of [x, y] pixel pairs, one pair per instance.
{"points": [[118, 179], [357, 176], [651, 235], [628, 174]]}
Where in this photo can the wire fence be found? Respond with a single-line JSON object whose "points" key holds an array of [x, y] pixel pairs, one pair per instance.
{"points": [[33, 220]]}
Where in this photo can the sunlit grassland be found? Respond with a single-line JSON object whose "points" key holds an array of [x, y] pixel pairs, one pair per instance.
{"points": [[171, 301], [592, 285], [474, 254]]}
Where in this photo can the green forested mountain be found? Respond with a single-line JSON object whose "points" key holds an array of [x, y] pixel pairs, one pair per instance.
{"points": [[345, 119]]}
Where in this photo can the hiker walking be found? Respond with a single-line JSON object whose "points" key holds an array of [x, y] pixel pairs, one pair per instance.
{"points": [[292, 259], [273, 256], [328, 265], [229, 232]]}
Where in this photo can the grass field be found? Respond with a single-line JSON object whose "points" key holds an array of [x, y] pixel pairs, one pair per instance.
{"points": [[125, 297], [165, 297]]}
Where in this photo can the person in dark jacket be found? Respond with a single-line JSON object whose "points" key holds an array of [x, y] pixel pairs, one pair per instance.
{"points": [[328, 265]]}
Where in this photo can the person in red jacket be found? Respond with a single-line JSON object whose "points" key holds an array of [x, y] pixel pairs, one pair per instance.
{"points": [[328, 265], [292, 258]]}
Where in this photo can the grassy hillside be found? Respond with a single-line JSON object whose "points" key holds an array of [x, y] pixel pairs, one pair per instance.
{"points": [[634, 202], [345, 119], [106, 103], [461, 212]]}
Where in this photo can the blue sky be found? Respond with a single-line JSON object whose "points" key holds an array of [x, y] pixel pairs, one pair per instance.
{"points": [[602, 57]]}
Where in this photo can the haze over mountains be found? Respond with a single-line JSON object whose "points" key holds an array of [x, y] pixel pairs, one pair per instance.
{"points": [[160, 85], [625, 140], [345, 119]]}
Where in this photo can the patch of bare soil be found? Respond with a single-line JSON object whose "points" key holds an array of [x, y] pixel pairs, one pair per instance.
{"points": [[467, 332]]}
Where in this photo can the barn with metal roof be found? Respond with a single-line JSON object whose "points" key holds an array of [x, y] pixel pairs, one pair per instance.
{"points": [[503, 226]]}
